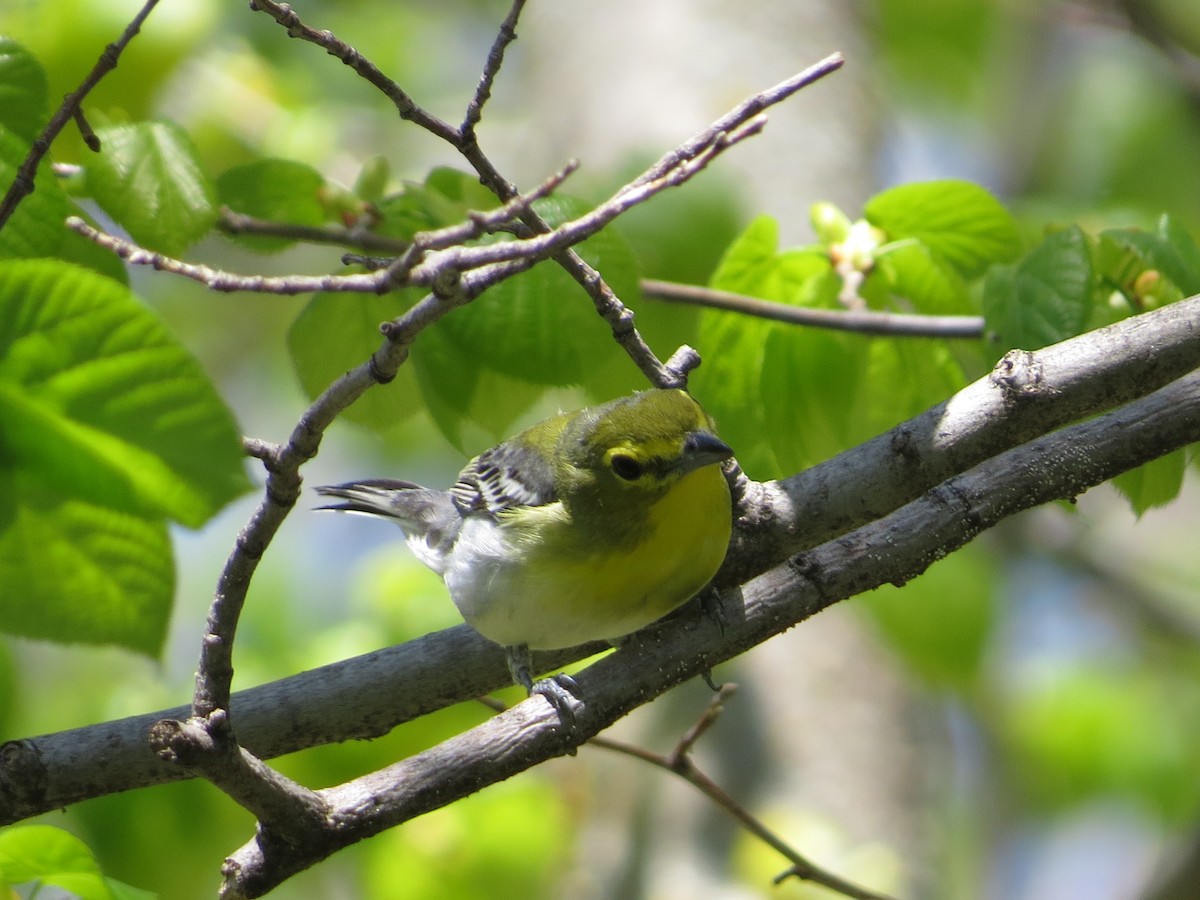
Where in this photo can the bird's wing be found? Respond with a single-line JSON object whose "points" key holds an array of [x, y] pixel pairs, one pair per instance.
{"points": [[502, 478]]}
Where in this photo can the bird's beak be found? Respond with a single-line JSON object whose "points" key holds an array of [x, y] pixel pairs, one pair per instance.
{"points": [[703, 448]]}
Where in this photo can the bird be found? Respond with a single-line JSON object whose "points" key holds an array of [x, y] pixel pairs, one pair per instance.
{"points": [[587, 526]]}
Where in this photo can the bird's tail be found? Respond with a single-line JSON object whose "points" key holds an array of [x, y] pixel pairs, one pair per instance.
{"points": [[429, 518]]}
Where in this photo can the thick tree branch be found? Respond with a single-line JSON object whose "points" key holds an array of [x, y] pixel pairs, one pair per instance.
{"points": [[367, 696], [894, 549], [1026, 395]]}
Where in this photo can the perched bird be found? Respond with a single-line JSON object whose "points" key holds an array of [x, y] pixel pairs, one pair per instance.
{"points": [[587, 526]]}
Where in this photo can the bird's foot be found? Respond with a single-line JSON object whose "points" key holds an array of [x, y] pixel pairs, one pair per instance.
{"points": [[559, 690]]}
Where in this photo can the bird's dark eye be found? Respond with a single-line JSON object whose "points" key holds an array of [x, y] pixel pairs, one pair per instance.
{"points": [[626, 467]]}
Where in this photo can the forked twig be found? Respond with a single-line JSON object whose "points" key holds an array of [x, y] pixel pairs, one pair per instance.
{"points": [[67, 111]]}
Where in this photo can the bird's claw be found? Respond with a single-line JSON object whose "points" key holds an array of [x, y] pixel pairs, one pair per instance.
{"points": [[560, 690]]}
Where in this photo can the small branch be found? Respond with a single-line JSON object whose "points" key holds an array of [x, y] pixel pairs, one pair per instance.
{"points": [[85, 130], [267, 451], [236, 223], [495, 59], [408, 108], [674, 168], [679, 762], [862, 322], [23, 183], [740, 114], [404, 271], [206, 747], [218, 280]]}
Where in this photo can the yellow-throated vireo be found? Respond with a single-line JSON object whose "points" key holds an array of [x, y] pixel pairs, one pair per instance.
{"points": [[587, 526]]}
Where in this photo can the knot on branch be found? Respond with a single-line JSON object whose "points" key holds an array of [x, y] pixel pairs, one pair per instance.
{"points": [[679, 366], [1018, 374], [22, 777], [190, 743]]}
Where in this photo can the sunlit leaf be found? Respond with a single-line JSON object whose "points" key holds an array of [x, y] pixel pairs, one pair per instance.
{"points": [[958, 221], [149, 180]]}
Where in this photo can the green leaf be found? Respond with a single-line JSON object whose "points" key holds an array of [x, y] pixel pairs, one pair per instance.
{"points": [[539, 326], [1184, 249], [741, 353], [1043, 299], [1169, 250], [277, 190], [149, 180], [916, 273], [473, 407], [1155, 483], [443, 199], [24, 89], [48, 855], [36, 227], [958, 221], [810, 383], [337, 332], [917, 374], [729, 381], [463, 188], [77, 571], [99, 399]]}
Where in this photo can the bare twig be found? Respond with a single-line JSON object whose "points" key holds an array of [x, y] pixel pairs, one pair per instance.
{"points": [[407, 107], [236, 223], [495, 59], [679, 762], [862, 322], [23, 183], [683, 162]]}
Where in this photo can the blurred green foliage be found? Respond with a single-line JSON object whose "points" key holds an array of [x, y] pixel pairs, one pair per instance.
{"points": [[1086, 131]]}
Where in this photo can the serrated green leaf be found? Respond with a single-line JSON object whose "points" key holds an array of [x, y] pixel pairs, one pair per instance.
{"points": [[1155, 483], [149, 180], [473, 407], [277, 190], [24, 89], [739, 350], [539, 327], [917, 274], [337, 332], [36, 226], [729, 382], [99, 398], [810, 384], [1043, 299], [75, 571], [916, 374], [48, 855], [958, 221]]}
